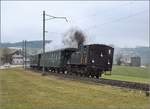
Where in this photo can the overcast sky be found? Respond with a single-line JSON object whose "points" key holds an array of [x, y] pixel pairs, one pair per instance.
{"points": [[121, 23]]}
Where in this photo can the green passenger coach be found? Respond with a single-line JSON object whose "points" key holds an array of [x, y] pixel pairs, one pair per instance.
{"points": [[57, 59]]}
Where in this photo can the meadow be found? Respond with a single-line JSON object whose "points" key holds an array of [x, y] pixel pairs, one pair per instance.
{"points": [[128, 73], [20, 89]]}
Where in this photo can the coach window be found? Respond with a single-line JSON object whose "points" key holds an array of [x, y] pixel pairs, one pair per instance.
{"points": [[49, 56], [56, 56]]}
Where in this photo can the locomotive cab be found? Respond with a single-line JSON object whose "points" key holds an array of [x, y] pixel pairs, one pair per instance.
{"points": [[100, 57], [92, 60]]}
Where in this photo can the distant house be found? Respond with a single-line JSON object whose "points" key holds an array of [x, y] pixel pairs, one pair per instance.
{"points": [[131, 61], [136, 61], [125, 60], [17, 58]]}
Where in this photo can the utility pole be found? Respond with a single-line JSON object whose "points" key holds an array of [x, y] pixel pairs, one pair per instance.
{"points": [[25, 53], [0, 37], [43, 73], [50, 17], [149, 41], [0, 40], [43, 32]]}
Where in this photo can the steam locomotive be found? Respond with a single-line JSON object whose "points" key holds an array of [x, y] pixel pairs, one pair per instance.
{"points": [[86, 60]]}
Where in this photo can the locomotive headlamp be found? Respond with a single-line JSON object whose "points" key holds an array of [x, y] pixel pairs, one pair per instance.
{"points": [[101, 55], [93, 61], [108, 62], [109, 51]]}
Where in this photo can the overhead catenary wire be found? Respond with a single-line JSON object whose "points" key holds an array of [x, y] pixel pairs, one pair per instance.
{"points": [[112, 8], [128, 4], [117, 20], [54, 17], [106, 24], [126, 17], [107, 10]]}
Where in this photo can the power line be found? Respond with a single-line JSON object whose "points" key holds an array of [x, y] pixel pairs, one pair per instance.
{"points": [[120, 19], [126, 17], [112, 8], [108, 10]]}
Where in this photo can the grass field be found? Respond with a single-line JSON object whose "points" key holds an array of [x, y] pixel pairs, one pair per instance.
{"points": [[21, 89], [126, 73]]}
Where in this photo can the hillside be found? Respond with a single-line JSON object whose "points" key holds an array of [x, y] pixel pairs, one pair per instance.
{"points": [[30, 44]]}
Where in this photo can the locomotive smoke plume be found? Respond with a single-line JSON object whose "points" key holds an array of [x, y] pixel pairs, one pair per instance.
{"points": [[74, 38]]}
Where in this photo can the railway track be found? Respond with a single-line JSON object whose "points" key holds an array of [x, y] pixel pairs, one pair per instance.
{"points": [[117, 83], [131, 85]]}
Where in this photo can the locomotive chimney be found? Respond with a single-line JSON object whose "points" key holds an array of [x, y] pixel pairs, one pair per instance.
{"points": [[80, 46]]}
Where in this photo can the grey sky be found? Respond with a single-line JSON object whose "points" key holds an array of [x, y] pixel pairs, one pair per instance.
{"points": [[124, 24]]}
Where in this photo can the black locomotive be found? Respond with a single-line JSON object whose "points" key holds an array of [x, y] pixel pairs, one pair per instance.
{"points": [[87, 60]]}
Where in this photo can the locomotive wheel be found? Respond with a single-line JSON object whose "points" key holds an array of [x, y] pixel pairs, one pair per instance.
{"points": [[84, 75], [57, 70], [92, 76], [76, 73], [81, 74], [97, 76]]}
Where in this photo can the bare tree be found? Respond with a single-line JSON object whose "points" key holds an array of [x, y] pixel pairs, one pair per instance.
{"points": [[118, 59], [5, 55]]}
